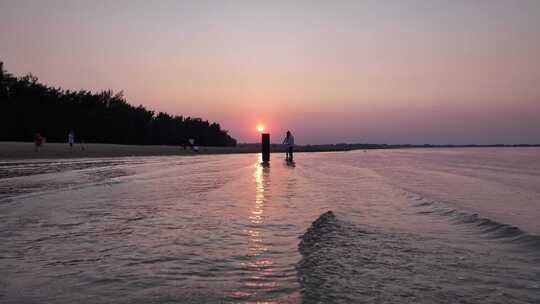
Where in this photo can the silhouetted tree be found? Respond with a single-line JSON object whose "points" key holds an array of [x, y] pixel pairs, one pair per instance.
{"points": [[28, 107]]}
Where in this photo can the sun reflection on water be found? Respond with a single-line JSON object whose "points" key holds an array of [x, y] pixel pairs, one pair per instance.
{"points": [[259, 176], [259, 265], [256, 244]]}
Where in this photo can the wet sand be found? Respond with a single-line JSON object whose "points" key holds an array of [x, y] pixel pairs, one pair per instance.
{"points": [[25, 150]]}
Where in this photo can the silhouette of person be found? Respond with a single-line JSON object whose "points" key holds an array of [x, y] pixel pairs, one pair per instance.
{"points": [[289, 142], [38, 140], [71, 139]]}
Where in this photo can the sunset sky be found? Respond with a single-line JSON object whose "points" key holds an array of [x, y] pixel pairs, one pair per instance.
{"points": [[330, 71]]}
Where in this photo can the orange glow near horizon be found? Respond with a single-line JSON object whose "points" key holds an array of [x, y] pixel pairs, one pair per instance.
{"points": [[260, 127], [395, 72]]}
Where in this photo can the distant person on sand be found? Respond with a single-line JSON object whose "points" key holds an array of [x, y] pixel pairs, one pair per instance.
{"points": [[289, 142], [71, 139], [192, 145], [38, 140]]}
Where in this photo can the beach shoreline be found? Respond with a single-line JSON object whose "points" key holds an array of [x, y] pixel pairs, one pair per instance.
{"points": [[26, 150]]}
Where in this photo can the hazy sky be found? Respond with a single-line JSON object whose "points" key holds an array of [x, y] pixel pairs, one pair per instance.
{"points": [[331, 71]]}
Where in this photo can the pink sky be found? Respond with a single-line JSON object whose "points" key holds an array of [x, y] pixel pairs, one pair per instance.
{"points": [[330, 71]]}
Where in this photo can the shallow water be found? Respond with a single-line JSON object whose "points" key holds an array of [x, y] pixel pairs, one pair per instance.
{"points": [[418, 226]]}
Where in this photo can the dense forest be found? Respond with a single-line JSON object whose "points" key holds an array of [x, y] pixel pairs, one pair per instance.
{"points": [[28, 107]]}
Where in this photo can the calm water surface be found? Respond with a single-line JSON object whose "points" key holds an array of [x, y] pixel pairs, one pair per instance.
{"points": [[407, 226]]}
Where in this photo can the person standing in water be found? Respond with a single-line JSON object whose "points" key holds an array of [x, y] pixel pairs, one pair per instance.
{"points": [[289, 142], [71, 139]]}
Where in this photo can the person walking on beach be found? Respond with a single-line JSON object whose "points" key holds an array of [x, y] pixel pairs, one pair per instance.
{"points": [[289, 142], [38, 140], [71, 139]]}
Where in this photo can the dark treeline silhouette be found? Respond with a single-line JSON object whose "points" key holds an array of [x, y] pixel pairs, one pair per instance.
{"points": [[28, 106]]}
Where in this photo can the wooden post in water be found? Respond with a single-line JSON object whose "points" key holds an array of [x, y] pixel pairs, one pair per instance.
{"points": [[265, 137]]}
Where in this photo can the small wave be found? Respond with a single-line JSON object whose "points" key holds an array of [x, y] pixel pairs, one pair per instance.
{"points": [[487, 227], [423, 204], [328, 250], [346, 262], [324, 225], [317, 269]]}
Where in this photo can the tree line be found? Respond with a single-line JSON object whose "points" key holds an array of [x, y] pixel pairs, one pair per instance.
{"points": [[28, 107]]}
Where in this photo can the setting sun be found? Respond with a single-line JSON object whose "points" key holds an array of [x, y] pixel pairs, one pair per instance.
{"points": [[260, 128]]}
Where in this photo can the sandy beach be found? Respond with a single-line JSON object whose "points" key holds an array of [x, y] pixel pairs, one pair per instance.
{"points": [[25, 150]]}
